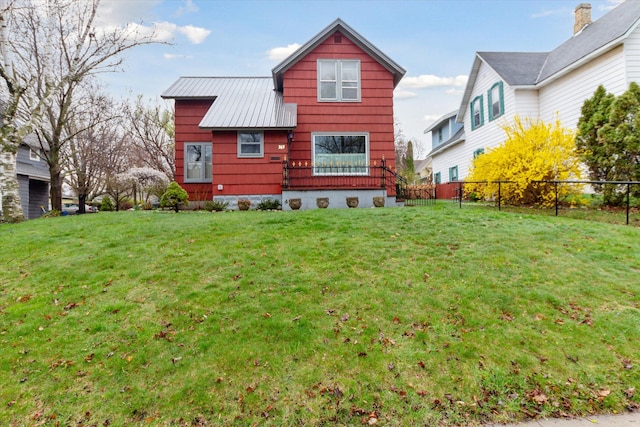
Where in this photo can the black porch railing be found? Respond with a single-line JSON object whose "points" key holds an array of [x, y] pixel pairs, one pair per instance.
{"points": [[307, 176], [298, 175]]}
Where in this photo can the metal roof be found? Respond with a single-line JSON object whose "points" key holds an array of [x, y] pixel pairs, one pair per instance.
{"points": [[239, 102], [338, 25]]}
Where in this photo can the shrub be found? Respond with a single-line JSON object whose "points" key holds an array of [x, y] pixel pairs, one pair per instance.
{"points": [[106, 204], [215, 205], [125, 205], [174, 196], [268, 204], [533, 151]]}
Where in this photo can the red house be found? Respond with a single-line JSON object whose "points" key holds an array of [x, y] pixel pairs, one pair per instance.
{"points": [[320, 127]]}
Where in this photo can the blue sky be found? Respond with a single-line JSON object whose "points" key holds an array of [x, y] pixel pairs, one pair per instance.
{"points": [[434, 40]]}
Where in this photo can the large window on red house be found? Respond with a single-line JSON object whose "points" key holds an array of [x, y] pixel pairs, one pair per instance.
{"points": [[340, 153], [197, 162], [338, 80]]}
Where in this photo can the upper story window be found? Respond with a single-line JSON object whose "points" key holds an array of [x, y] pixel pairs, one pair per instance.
{"points": [[478, 152], [197, 162], [338, 80], [250, 144], [477, 113], [496, 101], [340, 153], [440, 135], [34, 154]]}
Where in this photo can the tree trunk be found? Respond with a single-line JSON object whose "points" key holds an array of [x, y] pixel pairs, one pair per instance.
{"points": [[11, 204], [56, 187]]}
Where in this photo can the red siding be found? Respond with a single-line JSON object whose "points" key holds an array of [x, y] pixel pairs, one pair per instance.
{"points": [[188, 116], [374, 114], [244, 176]]}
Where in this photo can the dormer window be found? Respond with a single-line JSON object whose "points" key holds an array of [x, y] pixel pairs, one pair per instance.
{"points": [[338, 80]]}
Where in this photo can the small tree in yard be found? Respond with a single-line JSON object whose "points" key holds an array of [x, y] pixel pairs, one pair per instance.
{"points": [[174, 196], [533, 151]]}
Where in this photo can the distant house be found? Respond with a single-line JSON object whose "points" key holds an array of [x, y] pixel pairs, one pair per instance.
{"points": [[320, 126], [422, 168], [33, 177], [540, 85]]}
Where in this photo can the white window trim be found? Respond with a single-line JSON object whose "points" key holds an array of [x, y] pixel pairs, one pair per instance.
{"points": [[203, 161], [366, 149], [251, 155], [338, 81]]}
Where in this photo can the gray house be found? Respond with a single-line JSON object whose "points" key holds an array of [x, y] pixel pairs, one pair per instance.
{"points": [[33, 178]]}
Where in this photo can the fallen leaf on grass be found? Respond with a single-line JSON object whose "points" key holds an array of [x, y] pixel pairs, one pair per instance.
{"points": [[539, 397], [24, 298]]}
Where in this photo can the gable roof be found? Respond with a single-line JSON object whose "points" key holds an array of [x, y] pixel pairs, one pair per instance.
{"points": [[238, 102], [445, 118], [605, 32], [351, 34], [457, 137], [538, 68]]}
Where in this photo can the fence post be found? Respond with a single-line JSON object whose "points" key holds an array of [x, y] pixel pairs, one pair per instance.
{"points": [[460, 193], [555, 184], [499, 196], [383, 173], [628, 186]]}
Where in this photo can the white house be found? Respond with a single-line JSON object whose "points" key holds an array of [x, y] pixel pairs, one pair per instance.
{"points": [[541, 84]]}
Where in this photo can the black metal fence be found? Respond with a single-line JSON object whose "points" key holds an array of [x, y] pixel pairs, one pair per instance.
{"points": [[499, 200]]}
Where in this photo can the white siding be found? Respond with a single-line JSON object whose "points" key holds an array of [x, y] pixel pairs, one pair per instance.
{"points": [[487, 136], [566, 95], [526, 104], [632, 56]]}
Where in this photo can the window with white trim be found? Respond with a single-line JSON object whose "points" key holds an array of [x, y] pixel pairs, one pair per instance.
{"points": [[340, 153], [197, 162], [338, 80], [34, 154], [250, 144], [477, 113], [495, 101]]}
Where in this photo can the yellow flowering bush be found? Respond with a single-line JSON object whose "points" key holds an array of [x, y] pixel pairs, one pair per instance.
{"points": [[533, 151]]}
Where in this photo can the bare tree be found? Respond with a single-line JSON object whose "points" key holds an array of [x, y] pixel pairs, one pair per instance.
{"points": [[57, 47], [151, 128], [20, 112], [98, 149]]}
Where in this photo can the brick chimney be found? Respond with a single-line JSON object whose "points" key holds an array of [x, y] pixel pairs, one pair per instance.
{"points": [[583, 17]]}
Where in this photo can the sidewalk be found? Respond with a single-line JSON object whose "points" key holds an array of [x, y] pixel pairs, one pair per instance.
{"points": [[630, 419]]}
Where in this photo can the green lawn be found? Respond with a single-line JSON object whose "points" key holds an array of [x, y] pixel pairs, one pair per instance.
{"points": [[406, 316]]}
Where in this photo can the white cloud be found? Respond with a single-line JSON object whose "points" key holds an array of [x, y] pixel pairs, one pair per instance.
{"points": [[189, 7], [426, 81], [454, 91], [430, 118], [612, 4], [280, 53], [171, 56], [403, 94], [196, 35]]}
